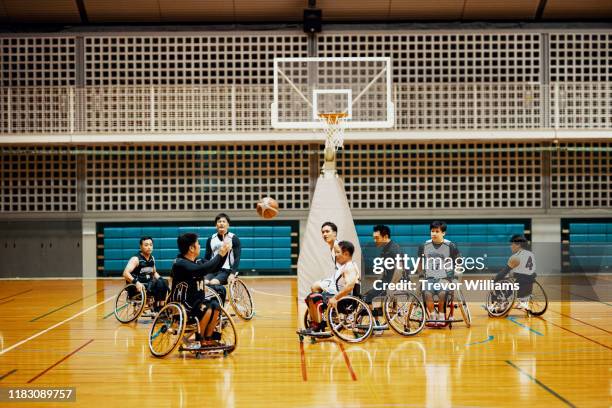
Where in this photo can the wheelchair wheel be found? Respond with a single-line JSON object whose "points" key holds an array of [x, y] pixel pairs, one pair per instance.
{"points": [[499, 302], [128, 309], [351, 320], [539, 301], [227, 329], [463, 307], [241, 300], [405, 313], [167, 330], [307, 320]]}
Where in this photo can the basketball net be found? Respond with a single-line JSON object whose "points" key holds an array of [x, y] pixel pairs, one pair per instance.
{"points": [[335, 123]]}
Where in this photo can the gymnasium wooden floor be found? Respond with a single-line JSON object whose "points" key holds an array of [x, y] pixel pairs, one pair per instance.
{"points": [[62, 333]]}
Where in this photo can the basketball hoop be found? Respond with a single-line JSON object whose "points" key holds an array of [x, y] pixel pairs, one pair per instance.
{"points": [[335, 123]]}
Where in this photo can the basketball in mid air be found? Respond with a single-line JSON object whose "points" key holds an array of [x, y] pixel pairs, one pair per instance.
{"points": [[267, 208]]}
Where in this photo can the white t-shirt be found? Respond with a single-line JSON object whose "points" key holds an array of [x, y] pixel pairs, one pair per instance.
{"points": [[527, 263]]}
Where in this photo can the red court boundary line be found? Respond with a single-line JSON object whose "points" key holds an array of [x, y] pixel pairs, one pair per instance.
{"points": [[20, 293], [303, 362], [63, 359], [348, 362], [577, 334], [13, 371], [578, 320]]}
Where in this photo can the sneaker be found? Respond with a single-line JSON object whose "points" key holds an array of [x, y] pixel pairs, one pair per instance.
{"points": [[523, 305], [307, 331], [210, 344], [439, 316], [195, 345]]}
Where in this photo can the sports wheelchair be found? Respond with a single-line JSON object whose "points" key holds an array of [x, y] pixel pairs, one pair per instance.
{"points": [[455, 299], [239, 298], [352, 320], [402, 311], [130, 308], [500, 302], [174, 325]]}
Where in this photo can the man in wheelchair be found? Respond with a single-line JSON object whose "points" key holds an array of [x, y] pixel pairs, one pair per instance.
{"points": [[140, 271], [522, 265], [345, 282], [187, 268], [438, 258]]}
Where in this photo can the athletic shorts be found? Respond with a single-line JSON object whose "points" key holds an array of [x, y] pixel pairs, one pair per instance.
{"points": [[201, 304], [221, 276], [328, 285]]}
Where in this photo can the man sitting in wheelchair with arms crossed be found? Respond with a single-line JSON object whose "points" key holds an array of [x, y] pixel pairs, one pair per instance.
{"points": [[434, 265], [190, 269], [345, 282]]}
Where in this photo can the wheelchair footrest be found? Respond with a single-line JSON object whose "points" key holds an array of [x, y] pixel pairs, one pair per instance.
{"points": [[319, 335], [206, 349]]}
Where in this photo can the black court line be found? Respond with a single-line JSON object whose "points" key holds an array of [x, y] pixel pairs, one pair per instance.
{"points": [[588, 298], [583, 322], [573, 332], [535, 380], [2, 377], [6, 301], [65, 306], [16, 294]]}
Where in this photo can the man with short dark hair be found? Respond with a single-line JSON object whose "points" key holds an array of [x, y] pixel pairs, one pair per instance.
{"points": [[522, 265], [389, 249], [187, 269], [229, 269], [140, 270], [345, 282], [329, 233], [434, 254]]}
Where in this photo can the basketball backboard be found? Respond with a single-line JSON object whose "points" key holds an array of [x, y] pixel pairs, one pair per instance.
{"points": [[305, 88]]}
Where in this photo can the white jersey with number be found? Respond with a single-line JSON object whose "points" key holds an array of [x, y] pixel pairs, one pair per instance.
{"points": [[527, 262]]}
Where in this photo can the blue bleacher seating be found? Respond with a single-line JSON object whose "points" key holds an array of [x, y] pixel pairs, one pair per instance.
{"points": [[264, 247]]}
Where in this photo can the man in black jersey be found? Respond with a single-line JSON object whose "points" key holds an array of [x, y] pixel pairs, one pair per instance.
{"points": [[390, 249], [187, 269], [140, 270]]}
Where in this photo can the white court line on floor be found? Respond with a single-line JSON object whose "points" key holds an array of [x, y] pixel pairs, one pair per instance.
{"points": [[271, 294], [55, 325]]}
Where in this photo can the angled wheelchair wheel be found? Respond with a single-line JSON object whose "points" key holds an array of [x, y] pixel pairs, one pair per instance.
{"points": [[463, 307], [499, 302], [227, 329], [241, 299], [405, 313], [167, 330], [351, 320], [211, 293], [307, 320], [538, 303], [129, 308]]}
